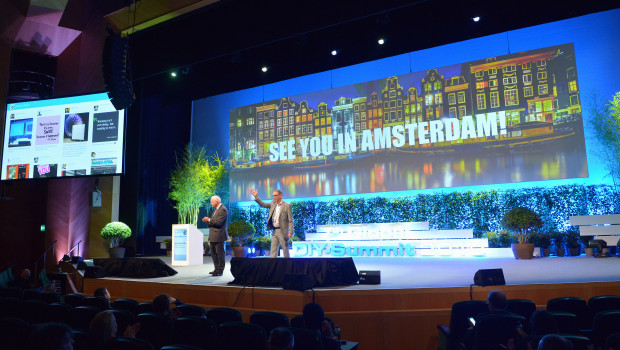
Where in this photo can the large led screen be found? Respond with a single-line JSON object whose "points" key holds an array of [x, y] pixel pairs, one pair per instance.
{"points": [[504, 119], [71, 136]]}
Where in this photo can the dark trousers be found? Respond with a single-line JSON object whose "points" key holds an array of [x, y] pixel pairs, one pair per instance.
{"points": [[218, 255]]}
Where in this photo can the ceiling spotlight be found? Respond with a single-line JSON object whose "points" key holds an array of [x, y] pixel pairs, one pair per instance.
{"points": [[334, 52], [265, 69], [173, 74], [381, 41], [476, 19]]}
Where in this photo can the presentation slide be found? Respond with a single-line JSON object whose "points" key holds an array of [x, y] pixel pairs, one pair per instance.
{"points": [[502, 119], [63, 137]]}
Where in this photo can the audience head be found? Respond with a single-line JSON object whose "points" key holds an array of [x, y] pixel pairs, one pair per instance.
{"points": [[497, 300], [542, 323], [313, 316], [281, 338], [104, 324], [612, 342], [51, 336], [25, 274], [102, 292], [161, 304], [554, 342]]}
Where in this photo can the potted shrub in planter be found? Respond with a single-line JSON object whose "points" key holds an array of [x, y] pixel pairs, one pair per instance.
{"points": [[543, 240], [585, 240], [559, 240], [262, 245], [521, 222], [168, 243], [116, 232], [572, 243], [240, 233]]}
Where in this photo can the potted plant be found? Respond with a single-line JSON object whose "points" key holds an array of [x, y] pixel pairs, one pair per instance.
{"points": [[240, 233], [194, 180], [521, 222], [559, 240], [262, 245], [168, 243], [501, 239], [116, 232], [585, 241], [572, 243], [543, 240]]}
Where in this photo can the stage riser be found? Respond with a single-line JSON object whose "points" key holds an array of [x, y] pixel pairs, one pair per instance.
{"points": [[377, 318]]}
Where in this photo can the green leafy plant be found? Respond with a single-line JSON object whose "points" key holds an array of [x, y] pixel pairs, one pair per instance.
{"points": [[542, 240], [193, 181], [168, 243], [240, 233], [521, 221], [501, 239], [572, 239], [558, 239], [262, 242], [115, 232]]}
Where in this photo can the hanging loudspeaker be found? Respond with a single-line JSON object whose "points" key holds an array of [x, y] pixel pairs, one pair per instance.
{"points": [[116, 72]]}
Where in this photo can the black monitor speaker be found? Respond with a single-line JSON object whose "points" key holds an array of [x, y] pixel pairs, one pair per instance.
{"points": [[294, 281], [489, 277]]}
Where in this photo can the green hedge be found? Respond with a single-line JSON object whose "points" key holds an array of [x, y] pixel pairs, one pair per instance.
{"points": [[480, 210]]}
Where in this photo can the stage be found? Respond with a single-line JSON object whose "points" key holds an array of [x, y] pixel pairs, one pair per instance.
{"points": [[415, 294]]}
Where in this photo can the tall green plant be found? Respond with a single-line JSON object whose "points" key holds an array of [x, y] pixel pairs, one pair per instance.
{"points": [[606, 123], [193, 181]]}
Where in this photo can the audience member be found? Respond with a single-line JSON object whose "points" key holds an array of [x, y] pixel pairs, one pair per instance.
{"points": [[104, 324], [102, 292], [497, 305], [23, 281], [51, 336], [314, 319], [161, 305], [612, 342], [281, 338], [554, 342]]}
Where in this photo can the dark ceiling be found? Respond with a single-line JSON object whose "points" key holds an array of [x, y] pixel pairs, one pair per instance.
{"points": [[224, 45]]}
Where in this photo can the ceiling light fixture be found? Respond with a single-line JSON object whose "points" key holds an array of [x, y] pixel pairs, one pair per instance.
{"points": [[334, 52], [265, 69], [476, 19], [381, 41], [173, 74]]}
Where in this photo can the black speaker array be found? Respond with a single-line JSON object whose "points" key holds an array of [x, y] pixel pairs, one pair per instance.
{"points": [[116, 72]]}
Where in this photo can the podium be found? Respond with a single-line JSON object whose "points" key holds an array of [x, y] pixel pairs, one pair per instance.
{"points": [[186, 245]]}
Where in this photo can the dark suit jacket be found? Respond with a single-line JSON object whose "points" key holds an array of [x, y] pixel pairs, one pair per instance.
{"points": [[217, 225], [286, 216]]}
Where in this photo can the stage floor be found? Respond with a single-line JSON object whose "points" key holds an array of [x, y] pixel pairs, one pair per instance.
{"points": [[432, 272]]}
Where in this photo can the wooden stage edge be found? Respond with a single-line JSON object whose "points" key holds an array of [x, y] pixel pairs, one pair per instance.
{"points": [[378, 319]]}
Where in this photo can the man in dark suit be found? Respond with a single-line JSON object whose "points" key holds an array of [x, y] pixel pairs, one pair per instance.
{"points": [[280, 221], [217, 234]]}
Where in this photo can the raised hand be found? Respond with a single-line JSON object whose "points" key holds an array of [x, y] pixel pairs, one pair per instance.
{"points": [[254, 192]]}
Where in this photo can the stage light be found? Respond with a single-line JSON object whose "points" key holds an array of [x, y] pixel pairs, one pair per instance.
{"points": [[334, 52], [265, 69], [381, 41], [173, 74], [476, 19]]}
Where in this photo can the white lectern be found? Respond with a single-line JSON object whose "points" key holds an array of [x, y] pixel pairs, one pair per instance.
{"points": [[187, 246]]}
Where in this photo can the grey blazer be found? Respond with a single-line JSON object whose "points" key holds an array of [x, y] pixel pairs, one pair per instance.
{"points": [[217, 225], [286, 216]]}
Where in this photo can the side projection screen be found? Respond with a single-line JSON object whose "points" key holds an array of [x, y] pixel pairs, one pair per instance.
{"points": [[71, 136], [504, 119]]}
